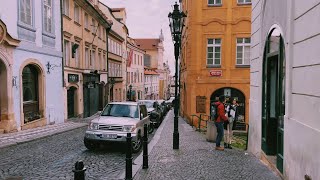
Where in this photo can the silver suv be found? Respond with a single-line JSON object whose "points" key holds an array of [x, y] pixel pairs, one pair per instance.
{"points": [[115, 121]]}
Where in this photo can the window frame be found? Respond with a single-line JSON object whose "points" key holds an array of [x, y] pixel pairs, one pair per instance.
{"points": [[214, 3], [243, 44], [64, 10], [214, 45], [244, 3], [67, 51], [45, 31], [32, 13], [75, 18]]}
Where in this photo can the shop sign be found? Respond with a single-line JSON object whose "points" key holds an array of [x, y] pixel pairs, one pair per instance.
{"points": [[73, 78], [201, 104], [216, 73]]}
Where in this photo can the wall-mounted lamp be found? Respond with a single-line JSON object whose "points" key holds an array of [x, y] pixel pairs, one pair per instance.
{"points": [[51, 66], [74, 48]]}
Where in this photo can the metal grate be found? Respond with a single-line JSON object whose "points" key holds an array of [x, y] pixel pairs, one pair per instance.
{"points": [[110, 127]]}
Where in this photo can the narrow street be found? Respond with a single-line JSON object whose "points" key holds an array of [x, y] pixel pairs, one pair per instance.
{"points": [[53, 158]]}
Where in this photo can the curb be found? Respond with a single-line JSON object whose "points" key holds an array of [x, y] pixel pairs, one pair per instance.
{"points": [[138, 162], [18, 142]]}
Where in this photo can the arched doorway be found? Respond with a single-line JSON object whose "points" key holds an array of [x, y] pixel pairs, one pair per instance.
{"points": [[3, 91], [235, 94], [273, 98], [30, 93], [71, 99]]}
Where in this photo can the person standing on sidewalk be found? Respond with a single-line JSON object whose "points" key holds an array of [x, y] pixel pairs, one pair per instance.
{"points": [[220, 121], [231, 114]]}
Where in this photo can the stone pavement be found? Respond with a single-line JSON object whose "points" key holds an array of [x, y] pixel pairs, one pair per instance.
{"points": [[197, 159], [41, 132]]}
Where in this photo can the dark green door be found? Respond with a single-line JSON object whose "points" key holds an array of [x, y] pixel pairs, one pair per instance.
{"points": [[70, 98], [273, 99]]}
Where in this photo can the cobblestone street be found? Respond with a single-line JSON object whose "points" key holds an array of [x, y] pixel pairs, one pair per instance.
{"points": [[197, 160], [53, 158]]}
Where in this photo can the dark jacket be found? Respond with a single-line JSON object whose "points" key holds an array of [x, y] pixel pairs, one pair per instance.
{"points": [[221, 112]]}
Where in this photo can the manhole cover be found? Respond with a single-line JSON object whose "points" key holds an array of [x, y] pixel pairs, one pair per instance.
{"points": [[14, 178]]}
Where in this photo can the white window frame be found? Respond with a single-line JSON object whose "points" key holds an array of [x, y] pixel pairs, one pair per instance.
{"points": [[23, 8], [86, 21], [213, 46], [87, 57], [214, 3], [76, 13], [48, 18], [65, 7], [243, 44], [244, 2]]}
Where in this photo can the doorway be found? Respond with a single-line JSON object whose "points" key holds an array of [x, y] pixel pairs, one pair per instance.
{"points": [[273, 99], [71, 96]]}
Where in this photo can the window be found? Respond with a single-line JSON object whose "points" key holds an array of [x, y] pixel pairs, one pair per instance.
{"points": [[86, 21], [215, 2], [66, 52], [99, 31], [93, 58], [26, 11], [86, 52], [65, 7], [47, 15], [244, 1], [103, 66], [30, 84], [93, 26], [214, 52], [131, 77], [76, 13], [243, 51], [77, 55], [100, 61]]}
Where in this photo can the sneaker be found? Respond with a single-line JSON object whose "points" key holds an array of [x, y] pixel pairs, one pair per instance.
{"points": [[219, 148]]}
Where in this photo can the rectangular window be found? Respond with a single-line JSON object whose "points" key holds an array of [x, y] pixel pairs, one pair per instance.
{"points": [[99, 61], [243, 51], [93, 29], [26, 10], [131, 77], [77, 56], [86, 58], [66, 52], [76, 13], [47, 15], [93, 59], [214, 52], [99, 31], [104, 62], [244, 1], [86, 21], [215, 2], [65, 7]]}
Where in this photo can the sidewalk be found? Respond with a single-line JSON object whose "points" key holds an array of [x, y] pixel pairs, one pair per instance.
{"points": [[10, 139], [197, 159]]}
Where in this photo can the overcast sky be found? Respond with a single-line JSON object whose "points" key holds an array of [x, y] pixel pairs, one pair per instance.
{"points": [[145, 19]]}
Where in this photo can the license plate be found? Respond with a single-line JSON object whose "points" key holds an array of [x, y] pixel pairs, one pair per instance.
{"points": [[110, 136]]}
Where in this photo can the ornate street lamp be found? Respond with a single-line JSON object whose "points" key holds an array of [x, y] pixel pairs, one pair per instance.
{"points": [[176, 19], [130, 90]]}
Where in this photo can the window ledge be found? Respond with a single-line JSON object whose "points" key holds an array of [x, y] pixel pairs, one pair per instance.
{"points": [[48, 34], [244, 4], [214, 5], [87, 29], [78, 24], [242, 66], [67, 17], [213, 66], [26, 26]]}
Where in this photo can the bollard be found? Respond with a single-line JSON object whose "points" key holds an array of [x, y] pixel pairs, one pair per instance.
{"points": [[79, 171], [145, 148], [129, 157]]}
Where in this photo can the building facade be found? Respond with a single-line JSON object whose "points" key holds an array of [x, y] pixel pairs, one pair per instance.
{"points": [[85, 30], [285, 98], [215, 56], [135, 71], [30, 65], [151, 83]]}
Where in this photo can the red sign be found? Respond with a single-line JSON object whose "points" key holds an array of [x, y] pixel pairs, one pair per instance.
{"points": [[216, 73]]}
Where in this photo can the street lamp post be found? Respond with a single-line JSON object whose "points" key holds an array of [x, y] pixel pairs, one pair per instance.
{"points": [[130, 91], [176, 19]]}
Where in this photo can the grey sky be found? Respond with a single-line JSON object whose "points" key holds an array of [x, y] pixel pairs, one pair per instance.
{"points": [[145, 19]]}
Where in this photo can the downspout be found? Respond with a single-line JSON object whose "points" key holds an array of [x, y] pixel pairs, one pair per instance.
{"points": [[107, 42], [61, 20]]}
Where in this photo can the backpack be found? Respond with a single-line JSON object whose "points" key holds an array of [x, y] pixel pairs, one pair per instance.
{"points": [[214, 112]]}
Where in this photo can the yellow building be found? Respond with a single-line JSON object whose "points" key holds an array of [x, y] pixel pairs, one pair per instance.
{"points": [[85, 50], [215, 55]]}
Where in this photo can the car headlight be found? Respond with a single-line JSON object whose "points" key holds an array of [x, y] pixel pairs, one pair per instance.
{"points": [[129, 128], [93, 126]]}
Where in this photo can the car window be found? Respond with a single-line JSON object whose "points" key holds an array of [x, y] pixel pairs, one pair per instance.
{"points": [[121, 110]]}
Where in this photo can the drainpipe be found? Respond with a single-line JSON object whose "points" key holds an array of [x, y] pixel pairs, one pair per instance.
{"points": [[61, 20], [107, 42]]}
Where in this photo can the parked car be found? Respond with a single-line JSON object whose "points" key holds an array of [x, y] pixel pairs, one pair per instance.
{"points": [[170, 102], [154, 111], [115, 121], [163, 107]]}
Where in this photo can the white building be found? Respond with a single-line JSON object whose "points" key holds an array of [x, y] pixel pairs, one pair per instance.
{"points": [[135, 70], [151, 83], [30, 64], [285, 98]]}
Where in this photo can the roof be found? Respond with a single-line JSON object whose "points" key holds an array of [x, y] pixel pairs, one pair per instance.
{"points": [[150, 72], [148, 44]]}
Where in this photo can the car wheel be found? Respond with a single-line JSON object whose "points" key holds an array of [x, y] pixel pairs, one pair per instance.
{"points": [[137, 145], [150, 128], [90, 145]]}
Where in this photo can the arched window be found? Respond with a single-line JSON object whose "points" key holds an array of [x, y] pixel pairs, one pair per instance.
{"points": [[30, 84]]}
